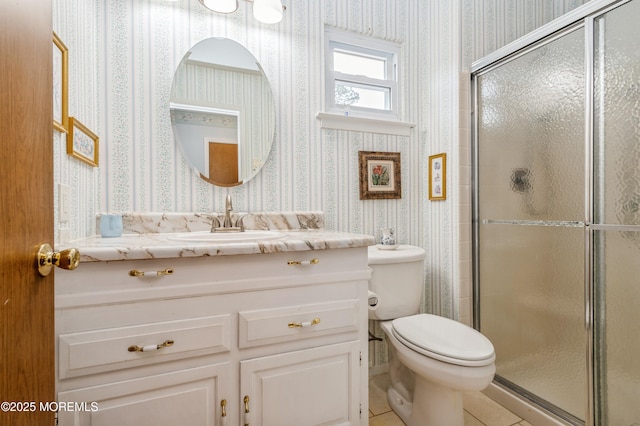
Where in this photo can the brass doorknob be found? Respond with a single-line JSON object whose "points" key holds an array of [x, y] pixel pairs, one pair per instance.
{"points": [[47, 258]]}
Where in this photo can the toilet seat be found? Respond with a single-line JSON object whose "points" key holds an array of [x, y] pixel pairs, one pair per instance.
{"points": [[444, 339]]}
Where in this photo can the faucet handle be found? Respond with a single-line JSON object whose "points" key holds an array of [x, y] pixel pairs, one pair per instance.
{"points": [[240, 222], [215, 222]]}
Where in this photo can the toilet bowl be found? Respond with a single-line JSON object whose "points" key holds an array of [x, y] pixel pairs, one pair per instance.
{"points": [[432, 359], [436, 396]]}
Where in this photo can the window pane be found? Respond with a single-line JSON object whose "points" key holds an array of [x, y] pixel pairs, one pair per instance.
{"points": [[350, 63], [366, 97]]}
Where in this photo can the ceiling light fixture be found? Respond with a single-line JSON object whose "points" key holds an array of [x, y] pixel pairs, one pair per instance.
{"points": [[265, 11], [220, 6]]}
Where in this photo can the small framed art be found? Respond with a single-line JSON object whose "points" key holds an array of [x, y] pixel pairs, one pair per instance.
{"points": [[379, 175], [60, 85], [82, 143], [438, 177]]}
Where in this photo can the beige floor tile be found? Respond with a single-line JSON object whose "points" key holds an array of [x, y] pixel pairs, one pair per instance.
{"points": [[391, 419], [469, 420], [488, 411], [480, 410], [378, 386], [387, 419]]}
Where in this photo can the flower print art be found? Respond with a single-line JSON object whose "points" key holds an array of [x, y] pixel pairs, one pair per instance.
{"points": [[438, 177], [379, 175], [82, 143], [60, 63]]}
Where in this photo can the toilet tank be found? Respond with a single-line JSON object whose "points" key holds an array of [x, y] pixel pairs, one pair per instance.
{"points": [[397, 279]]}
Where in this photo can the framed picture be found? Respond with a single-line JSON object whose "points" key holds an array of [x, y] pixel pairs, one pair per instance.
{"points": [[438, 177], [379, 175], [60, 85], [82, 143]]}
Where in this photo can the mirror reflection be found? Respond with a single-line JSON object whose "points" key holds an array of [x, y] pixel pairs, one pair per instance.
{"points": [[222, 112]]}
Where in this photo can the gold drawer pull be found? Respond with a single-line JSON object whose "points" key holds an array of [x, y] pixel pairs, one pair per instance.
{"points": [[313, 322], [148, 348], [313, 261], [247, 415], [136, 273], [223, 406]]}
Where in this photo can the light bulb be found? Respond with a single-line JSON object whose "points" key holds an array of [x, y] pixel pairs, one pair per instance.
{"points": [[267, 11], [221, 6]]}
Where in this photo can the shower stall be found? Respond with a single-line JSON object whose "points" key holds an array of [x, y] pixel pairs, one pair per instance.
{"points": [[556, 119]]}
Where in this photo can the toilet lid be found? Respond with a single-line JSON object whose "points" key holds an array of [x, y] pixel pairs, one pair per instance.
{"points": [[444, 339], [403, 253]]}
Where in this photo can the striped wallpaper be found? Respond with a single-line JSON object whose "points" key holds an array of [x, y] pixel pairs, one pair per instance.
{"points": [[122, 56]]}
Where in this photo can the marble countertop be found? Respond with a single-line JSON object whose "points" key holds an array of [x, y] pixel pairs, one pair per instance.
{"points": [[152, 241], [163, 245]]}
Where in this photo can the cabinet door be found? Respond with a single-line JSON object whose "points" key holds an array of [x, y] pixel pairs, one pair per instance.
{"points": [[187, 397], [319, 386]]}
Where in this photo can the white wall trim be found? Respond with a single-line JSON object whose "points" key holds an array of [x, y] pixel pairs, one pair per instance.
{"points": [[370, 125]]}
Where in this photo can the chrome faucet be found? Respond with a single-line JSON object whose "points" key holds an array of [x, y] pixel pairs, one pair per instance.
{"points": [[228, 206], [227, 224]]}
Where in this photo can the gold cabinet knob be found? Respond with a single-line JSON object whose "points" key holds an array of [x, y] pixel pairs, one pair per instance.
{"points": [[223, 407], [247, 414], [46, 259]]}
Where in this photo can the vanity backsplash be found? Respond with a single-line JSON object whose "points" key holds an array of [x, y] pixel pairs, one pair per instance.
{"points": [[152, 223], [174, 235]]}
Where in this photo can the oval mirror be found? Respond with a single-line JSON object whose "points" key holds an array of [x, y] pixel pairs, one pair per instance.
{"points": [[222, 112]]}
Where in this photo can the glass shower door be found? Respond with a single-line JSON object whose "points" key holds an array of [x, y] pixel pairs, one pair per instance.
{"points": [[616, 254], [531, 239]]}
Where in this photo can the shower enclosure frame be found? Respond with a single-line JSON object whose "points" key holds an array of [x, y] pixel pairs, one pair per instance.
{"points": [[585, 17]]}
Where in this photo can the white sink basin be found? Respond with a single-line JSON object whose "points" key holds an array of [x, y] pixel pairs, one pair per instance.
{"points": [[226, 237]]}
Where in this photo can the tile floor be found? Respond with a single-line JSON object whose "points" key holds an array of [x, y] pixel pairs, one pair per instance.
{"points": [[479, 410]]}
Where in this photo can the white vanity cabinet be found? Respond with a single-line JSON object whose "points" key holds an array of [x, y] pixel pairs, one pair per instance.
{"points": [[227, 340]]}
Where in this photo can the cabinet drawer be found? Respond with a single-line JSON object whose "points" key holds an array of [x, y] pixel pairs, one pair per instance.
{"points": [[268, 326], [109, 349], [116, 282]]}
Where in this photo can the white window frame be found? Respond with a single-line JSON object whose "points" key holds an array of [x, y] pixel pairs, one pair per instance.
{"points": [[336, 39]]}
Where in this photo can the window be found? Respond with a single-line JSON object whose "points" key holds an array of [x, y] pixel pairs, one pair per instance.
{"points": [[361, 75]]}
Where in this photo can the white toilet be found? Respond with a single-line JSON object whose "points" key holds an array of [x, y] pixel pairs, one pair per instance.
{"points": [[432, 359]]}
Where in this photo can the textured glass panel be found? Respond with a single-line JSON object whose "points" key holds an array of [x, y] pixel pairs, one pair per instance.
{"points": [[531, 134], [617, 112], [617, 268], [532, 309]]}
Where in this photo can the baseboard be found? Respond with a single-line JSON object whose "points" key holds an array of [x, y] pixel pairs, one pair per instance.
{"points": [[376, 370], [521, 407]]}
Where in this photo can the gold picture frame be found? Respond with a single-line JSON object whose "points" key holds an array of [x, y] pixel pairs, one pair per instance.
{"points": [[82, 143], [380, 175], [60, 85], [438, 177]]}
